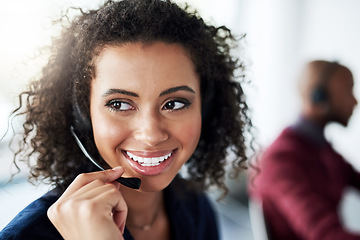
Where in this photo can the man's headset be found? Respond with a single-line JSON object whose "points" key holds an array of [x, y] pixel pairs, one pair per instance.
{"points": [[319, 94]]}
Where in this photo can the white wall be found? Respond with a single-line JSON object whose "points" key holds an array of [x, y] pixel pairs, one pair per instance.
{"points": [[281, 36]]}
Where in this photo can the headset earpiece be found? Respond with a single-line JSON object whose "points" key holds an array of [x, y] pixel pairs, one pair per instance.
{"points": [[319, 95], [82, 123], [207, 100], [82, 126]]}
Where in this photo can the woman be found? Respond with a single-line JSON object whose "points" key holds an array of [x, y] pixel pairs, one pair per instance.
{"points": [[146, 87]]}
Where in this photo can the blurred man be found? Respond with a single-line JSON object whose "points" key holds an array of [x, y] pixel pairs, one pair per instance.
{"points": [[301, 178]]}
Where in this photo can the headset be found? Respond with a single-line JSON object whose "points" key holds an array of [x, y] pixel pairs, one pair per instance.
{"points": [[82, 125], [319, 94]]}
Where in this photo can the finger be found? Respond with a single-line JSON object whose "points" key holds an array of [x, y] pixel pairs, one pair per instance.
{"points": [[116, 205], [120, 211], [116, 184], [101, 199], [120, 219], [94, 206], [93, 189], [81, 180]]}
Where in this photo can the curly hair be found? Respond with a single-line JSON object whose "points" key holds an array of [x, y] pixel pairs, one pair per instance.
{"points": [[53, 101]]}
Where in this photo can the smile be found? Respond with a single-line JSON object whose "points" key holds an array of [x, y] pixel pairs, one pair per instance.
{"points": [[148, 161]]}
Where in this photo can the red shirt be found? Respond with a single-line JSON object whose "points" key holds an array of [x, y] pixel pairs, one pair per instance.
{"points": [[300, 183]]}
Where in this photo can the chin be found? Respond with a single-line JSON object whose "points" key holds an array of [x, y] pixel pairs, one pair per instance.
{"points": [[154, 185], [344, 122]]}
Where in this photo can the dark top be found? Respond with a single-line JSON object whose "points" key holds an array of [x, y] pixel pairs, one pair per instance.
{"points": [[191, 217], [300, 184]]}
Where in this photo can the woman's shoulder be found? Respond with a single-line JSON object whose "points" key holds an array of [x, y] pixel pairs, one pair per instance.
{"points": [[32, 222]]}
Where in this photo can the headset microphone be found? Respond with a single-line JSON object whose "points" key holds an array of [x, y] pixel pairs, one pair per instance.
{"points": [[131, 182]]}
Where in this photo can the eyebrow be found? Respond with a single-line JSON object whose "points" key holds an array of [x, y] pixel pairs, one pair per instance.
{"points": [[119, 91], [175, 89], [132, 94]]}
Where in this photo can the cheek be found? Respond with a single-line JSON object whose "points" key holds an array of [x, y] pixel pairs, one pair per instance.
{"points": [[107, 135], [190, 133]]}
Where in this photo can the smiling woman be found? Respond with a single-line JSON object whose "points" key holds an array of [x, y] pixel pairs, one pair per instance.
{"points": [[145, 98], [138, 129]]}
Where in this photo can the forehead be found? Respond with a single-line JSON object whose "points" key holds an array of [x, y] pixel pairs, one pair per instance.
{"points": [[342, 78], [155, 50], [135, 63]]}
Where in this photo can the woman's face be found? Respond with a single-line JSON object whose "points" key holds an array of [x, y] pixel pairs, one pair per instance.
{"points": [[145, 109]]}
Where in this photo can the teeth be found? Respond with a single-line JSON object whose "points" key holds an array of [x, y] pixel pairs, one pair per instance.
{"points": [[148, 162]]}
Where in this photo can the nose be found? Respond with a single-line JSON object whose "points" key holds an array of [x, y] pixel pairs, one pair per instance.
{"points": [[150, 129], [354, 100]]}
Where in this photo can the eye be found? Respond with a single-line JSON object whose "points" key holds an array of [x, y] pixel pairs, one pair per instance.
{"points": [[176, 105], [117, 105]]}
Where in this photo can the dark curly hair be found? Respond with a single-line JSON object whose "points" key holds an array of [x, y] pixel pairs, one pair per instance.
{"points": [[59, 98]]}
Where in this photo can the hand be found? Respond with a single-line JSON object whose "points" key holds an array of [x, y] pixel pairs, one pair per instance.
{"points": [[92, 207]]}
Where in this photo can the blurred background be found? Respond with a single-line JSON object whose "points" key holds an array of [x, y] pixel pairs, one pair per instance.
{"points": [[281, 36]]}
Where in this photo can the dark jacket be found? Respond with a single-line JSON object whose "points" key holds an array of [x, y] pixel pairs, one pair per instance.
{"points": [[191, 217]]}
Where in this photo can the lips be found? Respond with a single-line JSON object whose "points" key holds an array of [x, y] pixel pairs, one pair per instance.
{"points": [[150, 163]]}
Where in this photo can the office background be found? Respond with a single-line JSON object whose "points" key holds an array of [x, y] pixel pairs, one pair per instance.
{"points": [[281, 35]]}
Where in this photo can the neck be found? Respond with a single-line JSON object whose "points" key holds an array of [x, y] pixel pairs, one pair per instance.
{"points": [[318, 120], [143, 207], [320, 123], [311, 130]]}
